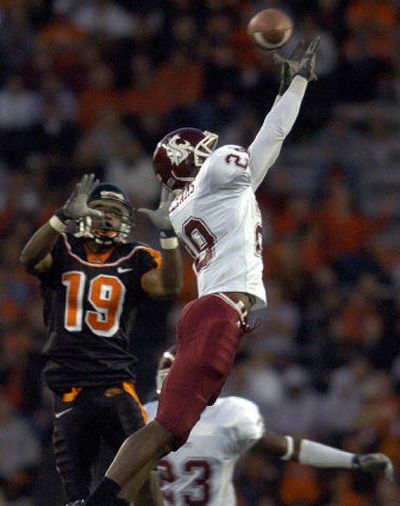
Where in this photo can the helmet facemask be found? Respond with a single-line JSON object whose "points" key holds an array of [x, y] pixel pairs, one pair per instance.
{"points": [[204, 148], [101, 230]]}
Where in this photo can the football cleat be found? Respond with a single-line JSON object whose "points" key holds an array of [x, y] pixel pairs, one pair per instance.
{"points": [[375, 463], [180, 154]]}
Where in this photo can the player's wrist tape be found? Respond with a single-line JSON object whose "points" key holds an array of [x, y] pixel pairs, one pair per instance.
{"points": [[168, 239], [169, 242], [290, 448], [58, 225]]}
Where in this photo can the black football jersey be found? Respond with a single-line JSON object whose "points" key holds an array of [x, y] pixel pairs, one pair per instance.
{"points": [[89, 305]]}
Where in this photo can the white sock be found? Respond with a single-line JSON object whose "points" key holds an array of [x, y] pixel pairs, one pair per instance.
{"points": [[319, 455]]}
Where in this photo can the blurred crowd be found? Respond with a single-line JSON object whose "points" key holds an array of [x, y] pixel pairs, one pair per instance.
{"points": [[91, 86]]}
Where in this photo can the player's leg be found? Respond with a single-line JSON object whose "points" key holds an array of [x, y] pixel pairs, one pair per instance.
{"points": [[75, 443], [123, 414], [208, 336], [148, 494]]}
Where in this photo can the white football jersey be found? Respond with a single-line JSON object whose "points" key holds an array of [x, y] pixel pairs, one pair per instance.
{"points": [[218, 220], [201, 471]]}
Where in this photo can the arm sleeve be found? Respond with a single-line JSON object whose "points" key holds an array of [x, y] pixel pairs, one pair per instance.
{"points": [[248, 427], [265, 148], [57, 255], [228, 167]]}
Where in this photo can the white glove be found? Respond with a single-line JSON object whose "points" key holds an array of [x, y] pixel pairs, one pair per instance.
{"points": [[160, 216], [76, 206]]}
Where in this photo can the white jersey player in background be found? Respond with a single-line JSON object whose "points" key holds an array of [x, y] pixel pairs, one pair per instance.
{"points": [[216, 217], [201, 471]]}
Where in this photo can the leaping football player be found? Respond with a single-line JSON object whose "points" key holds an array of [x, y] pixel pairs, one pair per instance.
{"points": [[217, 218]]}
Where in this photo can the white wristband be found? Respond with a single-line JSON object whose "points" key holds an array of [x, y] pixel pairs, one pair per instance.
{"points": [[169, 242], [290, 447], [57, 224]]}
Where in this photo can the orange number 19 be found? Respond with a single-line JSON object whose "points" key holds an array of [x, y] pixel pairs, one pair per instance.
{"points": [[106, 295]]}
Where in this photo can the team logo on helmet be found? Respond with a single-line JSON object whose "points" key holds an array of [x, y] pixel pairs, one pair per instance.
{"points": [[180, 155], [177, 152]]}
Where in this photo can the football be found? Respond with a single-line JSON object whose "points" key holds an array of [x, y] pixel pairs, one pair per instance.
{"points": [[270, 29]]}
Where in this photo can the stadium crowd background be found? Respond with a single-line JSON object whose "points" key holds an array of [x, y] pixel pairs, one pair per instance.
{"points": [[91, 86]]}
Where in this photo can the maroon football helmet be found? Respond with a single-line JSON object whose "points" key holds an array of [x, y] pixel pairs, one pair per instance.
{"points": [[180, 154], [164, 365]]}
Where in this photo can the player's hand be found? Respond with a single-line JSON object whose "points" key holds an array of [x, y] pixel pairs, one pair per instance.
{"points": [[290, 66], [307, 64], [375, 463], [76, 206], [160, 216]]}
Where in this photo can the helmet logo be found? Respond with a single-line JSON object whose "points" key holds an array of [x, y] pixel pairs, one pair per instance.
{"points": [[177, 153]]}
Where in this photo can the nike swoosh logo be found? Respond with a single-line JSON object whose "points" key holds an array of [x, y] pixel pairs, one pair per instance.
{"points": [[121, 270], [61, 413]]}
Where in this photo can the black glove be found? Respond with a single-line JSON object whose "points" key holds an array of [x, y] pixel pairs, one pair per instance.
{"points": [[306, 68], [290, 66], [374, 463], [76, 206]]}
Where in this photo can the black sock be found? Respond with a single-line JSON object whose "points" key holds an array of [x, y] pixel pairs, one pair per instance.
{"points": [[105, 494]]}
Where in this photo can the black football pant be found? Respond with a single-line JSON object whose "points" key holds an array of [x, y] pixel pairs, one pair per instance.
{"points": [[83, 423]]}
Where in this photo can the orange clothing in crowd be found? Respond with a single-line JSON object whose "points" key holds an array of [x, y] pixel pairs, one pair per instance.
{"points": [[342, 232], [354, 316], [152, 99], [344, 495], [177, 83], [372, 13], [182, 80], [93, 103], [311, 255], [299, 485], [379, 19], [61, 33]]}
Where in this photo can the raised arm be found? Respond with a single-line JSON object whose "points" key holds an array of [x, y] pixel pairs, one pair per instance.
{"points": [[167, 280], [265, 148], [36, 254]]}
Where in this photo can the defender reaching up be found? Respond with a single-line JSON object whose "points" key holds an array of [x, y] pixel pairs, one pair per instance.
{"points": [[217, 218]]}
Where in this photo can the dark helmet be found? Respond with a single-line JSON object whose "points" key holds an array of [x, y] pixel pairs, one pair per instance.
{"points": [[164, 365], [104, 233], [180, 154]]}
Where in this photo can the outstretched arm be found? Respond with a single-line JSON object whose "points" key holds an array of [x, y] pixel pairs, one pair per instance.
{"points": [[316, 454], [265, 148]]}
